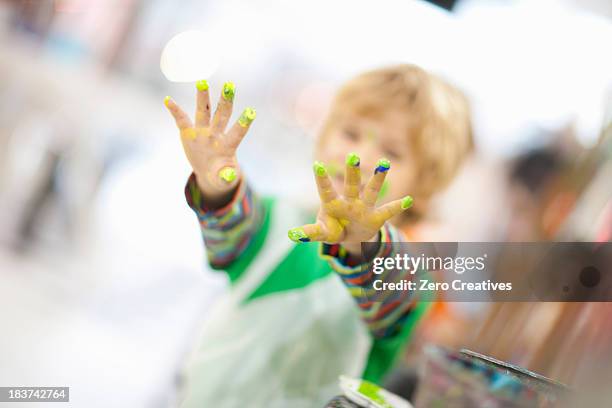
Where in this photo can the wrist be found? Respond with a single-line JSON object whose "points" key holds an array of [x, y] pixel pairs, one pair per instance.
{"points": [[214, 196], [355, 247]]}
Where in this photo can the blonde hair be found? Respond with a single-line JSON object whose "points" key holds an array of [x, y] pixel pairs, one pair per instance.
{"points": [[441, 131]]}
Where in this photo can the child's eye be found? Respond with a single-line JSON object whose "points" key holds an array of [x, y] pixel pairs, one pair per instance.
{"points": [[391, 154], [351, 135]]}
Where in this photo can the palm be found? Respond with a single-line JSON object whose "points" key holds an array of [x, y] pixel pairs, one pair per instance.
{"points": [[356, 221], [354, 216], [208, 151], [211, 150]]}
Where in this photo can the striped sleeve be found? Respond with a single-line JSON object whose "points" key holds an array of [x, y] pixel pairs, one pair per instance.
{"points": [[226, 231], [384, 312]]}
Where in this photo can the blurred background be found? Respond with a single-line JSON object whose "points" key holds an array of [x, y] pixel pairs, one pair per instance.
{"points": [[102, 277]]}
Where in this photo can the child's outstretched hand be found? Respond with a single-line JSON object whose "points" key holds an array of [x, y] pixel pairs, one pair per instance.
{"points": [[211, 150], [352, 217]]}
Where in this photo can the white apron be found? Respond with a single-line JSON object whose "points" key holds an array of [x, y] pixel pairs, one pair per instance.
{"points": [[281, 350]]}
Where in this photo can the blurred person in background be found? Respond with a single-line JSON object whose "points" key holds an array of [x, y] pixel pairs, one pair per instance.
{"points": [[289, 328], [531, 176]]}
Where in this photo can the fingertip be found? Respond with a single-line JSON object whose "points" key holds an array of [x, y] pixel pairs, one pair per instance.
{"points": [[247, 117], [202, 85], [298, 235], [406, 202], [167, 100], [382, 166], [229, 91], [352, 159], [319, 169]]}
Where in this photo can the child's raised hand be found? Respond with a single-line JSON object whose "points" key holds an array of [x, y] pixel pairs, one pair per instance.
{"points": [[211, 150], [352, 217]]}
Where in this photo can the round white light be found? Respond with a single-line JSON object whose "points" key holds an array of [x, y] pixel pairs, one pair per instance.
{"points": [[189, 56]]}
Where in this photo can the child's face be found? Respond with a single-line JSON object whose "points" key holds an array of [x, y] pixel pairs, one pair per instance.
{"points": [[372, 139]]}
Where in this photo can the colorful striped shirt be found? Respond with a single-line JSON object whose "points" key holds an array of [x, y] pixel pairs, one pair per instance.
{"points": [[227, 231]]}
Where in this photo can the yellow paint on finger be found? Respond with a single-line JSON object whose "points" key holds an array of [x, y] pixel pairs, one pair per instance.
{"points": [[202, 116], [352, 178], [351, 191], [247, 117], [334, 229], [166, 101], [189, 133], [229, 90], [384, 189], [202, 85]]}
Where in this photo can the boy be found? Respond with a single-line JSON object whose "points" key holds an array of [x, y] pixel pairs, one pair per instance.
{"points": [[289, 327]]}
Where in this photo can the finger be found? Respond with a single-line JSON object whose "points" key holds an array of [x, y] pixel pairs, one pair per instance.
{"points": [[372, 189], [333, 228], [202, 117], [240, 128], [393, 208], [182, 120], [324, 183], [352, 177], [224, 108], [307, 233]]}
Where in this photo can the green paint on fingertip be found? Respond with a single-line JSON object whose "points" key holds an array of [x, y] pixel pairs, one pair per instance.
{"points": [[166, 100], [319, 169], [229, 90], [298, 235], [202, 85], [406, 202], [247, 117], [352, 159], [384, 190], [383, 164], [228, 174]]}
